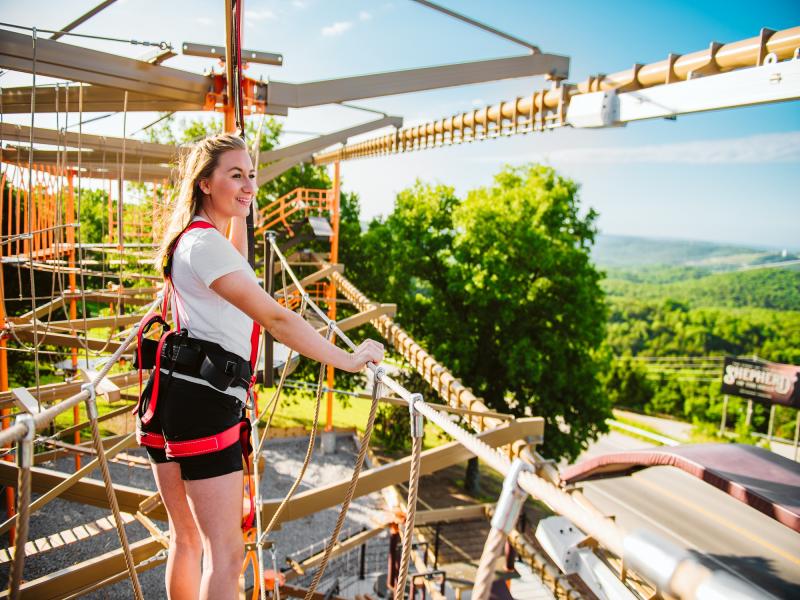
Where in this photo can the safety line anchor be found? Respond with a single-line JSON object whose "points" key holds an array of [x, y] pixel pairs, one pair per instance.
{"points": [[511, 498], [417, 418], [25, 444]]}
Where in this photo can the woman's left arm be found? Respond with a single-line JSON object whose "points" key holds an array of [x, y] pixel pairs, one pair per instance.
{"points": [[238, 231]]}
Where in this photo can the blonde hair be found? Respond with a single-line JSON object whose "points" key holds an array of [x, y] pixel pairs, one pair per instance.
{"points": [[196, 164]]}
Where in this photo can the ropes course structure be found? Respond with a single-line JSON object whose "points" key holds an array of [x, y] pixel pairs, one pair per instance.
{"points": [[41, 239]]}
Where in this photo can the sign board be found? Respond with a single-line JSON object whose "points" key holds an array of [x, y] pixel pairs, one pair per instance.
{"points": [[769, 382]]}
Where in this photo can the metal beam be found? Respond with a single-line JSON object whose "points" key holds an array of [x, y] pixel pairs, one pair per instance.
{"points": [[372, 480], [65, 61], [298, 95], [20, 154], [10, 132], [82, 19], [96, 98], [285, 158], [776, 82], [253, 56]]}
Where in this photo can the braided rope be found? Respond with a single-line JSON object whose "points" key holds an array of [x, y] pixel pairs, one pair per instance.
{"points": [[495, 542], [97, 442], [411, 506], [23, 504], [362, 452]]}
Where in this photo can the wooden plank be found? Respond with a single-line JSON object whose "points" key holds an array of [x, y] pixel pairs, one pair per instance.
{"points": [[79, 577], [372, 480]]}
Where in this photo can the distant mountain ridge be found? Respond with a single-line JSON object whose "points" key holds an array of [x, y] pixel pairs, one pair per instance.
{"points": [[620, 251]]}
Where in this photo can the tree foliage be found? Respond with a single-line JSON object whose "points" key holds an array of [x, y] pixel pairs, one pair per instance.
{"points": [[500, 288]]}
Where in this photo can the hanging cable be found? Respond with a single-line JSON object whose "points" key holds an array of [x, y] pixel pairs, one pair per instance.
{"points": [[160, 45]]}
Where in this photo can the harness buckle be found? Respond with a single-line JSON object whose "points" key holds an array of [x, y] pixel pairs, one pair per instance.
{"points": [[231, 369]]}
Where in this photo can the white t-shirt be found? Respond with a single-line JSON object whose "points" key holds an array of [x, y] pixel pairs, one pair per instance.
{"points": [[202, 257]]}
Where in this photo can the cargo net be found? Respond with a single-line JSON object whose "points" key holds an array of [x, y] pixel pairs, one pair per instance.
{"points": [[360, 564]]}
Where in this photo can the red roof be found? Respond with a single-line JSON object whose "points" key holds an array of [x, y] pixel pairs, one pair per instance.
{"points": [[766, 481]]}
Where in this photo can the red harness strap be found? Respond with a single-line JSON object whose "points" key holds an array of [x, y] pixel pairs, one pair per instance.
{"points": [[213, 443]]}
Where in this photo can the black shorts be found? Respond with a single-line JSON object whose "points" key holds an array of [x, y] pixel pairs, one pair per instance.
{"points": [[186, 411]]}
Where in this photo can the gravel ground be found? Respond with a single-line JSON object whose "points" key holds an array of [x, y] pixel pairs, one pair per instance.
{"points": [[283, 461]]}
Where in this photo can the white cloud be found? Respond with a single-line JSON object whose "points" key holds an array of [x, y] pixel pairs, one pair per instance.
{"points": [[337, 28], [364, 15], [764, 148], [205, 20], [259, 15], [478, 102], [301, 4]]}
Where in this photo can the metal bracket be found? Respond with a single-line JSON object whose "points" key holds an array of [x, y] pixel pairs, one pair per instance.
{"points": [[25, 444], [511, 499], [417, 418], [91, 401]]}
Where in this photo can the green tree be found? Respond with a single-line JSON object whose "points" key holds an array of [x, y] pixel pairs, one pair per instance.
{"points": [[500, 287]]}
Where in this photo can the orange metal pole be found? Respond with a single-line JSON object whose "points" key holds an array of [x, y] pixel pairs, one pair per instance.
{"points": [[334, 258], [10, 512]]}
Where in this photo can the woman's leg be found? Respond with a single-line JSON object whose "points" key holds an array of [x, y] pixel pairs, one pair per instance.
{"points": [[185, 546], [217, 506]]}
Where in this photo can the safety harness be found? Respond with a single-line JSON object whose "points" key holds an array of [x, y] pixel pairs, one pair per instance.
{"points": [[198, 358]]}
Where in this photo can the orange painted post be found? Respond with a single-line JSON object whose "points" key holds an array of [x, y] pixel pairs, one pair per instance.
{"points": [[334, 258], [73, 305], [4, 367]]}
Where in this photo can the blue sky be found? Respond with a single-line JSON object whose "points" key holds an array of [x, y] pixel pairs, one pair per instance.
{"points": [[725, 176]]}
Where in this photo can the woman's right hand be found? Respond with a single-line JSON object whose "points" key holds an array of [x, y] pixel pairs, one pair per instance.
{"points": [[368, 351]]}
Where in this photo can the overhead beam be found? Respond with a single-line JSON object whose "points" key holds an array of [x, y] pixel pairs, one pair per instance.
{"points": [[82, 19], [21, 154], [298, 95], [285, 158], [96, 98], [775, 82], [65, 61], [10, 132], [253, 56]]}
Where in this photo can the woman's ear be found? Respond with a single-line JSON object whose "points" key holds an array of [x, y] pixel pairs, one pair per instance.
{"points": [[204, 186]]}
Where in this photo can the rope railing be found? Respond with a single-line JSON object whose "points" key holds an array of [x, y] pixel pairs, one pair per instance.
{"points": [[381, 379]]}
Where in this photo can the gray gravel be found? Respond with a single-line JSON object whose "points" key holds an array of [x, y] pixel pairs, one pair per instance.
{"points": [[283, 461]]}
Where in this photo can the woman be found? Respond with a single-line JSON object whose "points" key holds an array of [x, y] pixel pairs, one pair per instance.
{"points": [[216, 299]]}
